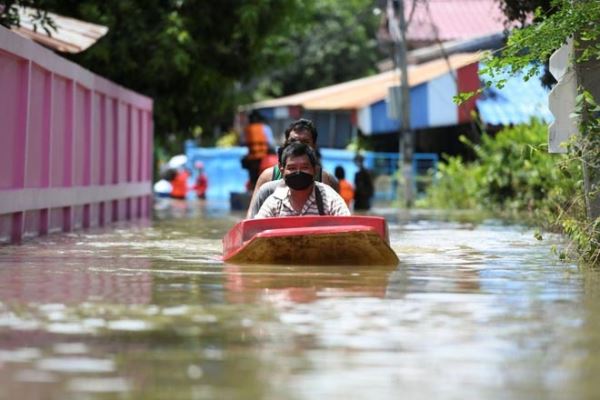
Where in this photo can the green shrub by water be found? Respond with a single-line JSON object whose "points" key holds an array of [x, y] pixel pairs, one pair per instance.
{"points": [[514, 176]]}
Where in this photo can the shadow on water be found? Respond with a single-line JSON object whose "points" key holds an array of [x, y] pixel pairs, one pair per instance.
{"points": [[474, 310]]}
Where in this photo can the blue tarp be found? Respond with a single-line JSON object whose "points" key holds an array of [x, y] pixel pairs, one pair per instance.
{"points": [[225, 175]]}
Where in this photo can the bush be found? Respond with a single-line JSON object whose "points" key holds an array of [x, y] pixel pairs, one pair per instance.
{"points": [[514, 176], [513, 173]]}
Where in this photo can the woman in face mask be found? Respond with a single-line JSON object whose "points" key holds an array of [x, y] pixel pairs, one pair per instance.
{"points": [[301, 195]]}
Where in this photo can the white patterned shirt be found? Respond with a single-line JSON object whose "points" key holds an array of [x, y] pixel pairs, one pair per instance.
{"points": [[279, 203]]}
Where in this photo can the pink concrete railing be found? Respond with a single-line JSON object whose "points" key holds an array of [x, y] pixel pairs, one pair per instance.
{"points": [[75, 148]]}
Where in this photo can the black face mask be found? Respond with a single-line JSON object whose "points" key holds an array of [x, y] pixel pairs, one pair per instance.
{"points": [[298, 180]]}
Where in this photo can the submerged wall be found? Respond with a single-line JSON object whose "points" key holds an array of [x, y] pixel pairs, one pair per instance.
{"points": [[76, 149]]}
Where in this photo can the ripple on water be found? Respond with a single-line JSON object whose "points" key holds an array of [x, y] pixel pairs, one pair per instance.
{"points": [[99, 385], [69, 328], [24, 354], [134, 325], [467, 304], [70, 348], [76, 365], [35, 376]]}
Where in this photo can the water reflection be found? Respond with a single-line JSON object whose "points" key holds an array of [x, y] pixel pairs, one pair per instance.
{"points": [[151, 312], [49, 281], [302, 283]]}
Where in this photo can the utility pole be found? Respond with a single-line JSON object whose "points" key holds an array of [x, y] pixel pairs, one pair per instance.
{"points": [[587, 79], [573, 76], [406, 135]]}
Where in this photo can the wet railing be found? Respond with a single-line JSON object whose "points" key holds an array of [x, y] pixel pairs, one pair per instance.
{"points": [[76, 148]]}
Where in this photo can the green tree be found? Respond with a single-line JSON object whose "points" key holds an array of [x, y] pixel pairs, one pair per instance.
{"points": [[555, 21], [199, 59], [188, 55], [334, 42], [521, 10]]}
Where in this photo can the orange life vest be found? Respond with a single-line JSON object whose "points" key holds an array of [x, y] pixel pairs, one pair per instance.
{"points": [[269, 160], [201, 185], [180, 185], [346, 191]]}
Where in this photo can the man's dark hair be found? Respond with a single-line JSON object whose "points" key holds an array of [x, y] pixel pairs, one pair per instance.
{"points": [[359, 159], [302, 125], [339, 172], [255, 117], [296, 149]]}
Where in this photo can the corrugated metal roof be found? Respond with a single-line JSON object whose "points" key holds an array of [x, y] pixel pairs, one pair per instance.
{"points": [[362, 92], [516, 103], [453, 19], [71, 35]]}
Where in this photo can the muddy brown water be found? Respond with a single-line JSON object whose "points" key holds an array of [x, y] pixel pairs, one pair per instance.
{"points": [[148, 311]]}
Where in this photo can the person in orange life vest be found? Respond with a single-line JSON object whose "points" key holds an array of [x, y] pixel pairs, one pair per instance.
{"points": [[346, 188], [201, 181], [179, 184], [269, 160], [256, 137]]}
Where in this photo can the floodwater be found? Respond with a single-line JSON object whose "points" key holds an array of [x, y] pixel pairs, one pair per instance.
{"points": [[148, 311]]}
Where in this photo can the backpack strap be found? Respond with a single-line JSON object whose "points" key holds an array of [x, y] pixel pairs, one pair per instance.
{"points": [[319, 200]]}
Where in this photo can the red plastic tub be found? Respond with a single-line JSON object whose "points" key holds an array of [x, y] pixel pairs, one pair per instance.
{"points": [[351, 240]]}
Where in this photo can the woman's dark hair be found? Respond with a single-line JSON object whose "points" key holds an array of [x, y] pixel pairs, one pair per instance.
{"points": [[296, 149], [339, 172], [302, 125]]}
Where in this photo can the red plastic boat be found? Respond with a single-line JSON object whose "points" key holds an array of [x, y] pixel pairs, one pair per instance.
{"points": [[353, 240]]}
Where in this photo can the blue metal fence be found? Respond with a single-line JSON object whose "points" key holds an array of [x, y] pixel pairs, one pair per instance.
{"points": [[223, 169]]}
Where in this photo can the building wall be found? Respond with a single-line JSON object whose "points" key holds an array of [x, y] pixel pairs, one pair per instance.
{"points": [[334, 127]]}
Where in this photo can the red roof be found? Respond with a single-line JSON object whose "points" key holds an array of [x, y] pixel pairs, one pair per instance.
{"points": [[453, 19]]}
